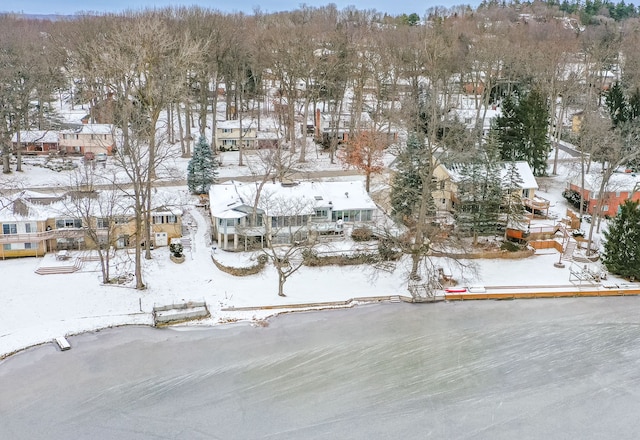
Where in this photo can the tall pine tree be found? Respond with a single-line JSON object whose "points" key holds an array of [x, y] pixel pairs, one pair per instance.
{"points": [[407, 184], [622, 242], [480, 193], [522, 131], [202, 170], [512, 206]]}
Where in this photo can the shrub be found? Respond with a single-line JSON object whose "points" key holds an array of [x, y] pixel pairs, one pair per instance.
{"points": [[361, 234], [176, 249], [510, 246]]}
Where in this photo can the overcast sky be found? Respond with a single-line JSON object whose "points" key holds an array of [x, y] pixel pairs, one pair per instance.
{"points": [[66, 7]]}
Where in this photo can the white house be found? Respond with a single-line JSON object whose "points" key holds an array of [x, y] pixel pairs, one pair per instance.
{"points": [[469, 117], [285, 211]]}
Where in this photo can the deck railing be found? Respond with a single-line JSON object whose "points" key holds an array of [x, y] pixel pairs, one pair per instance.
{"points": [[35, 237]]}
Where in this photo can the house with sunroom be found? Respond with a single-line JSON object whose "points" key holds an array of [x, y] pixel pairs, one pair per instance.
{"points": [[285, 211]]}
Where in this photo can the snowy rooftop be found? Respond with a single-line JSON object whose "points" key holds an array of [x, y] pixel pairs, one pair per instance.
{"points": [[338, 195], [90, 129], [38, 206], [34, 136], [235, 124], [618, 181], [528, 179]]}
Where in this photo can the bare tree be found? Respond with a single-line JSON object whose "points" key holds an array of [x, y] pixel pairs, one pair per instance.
{"points": [[98, 211], [287, 234]]}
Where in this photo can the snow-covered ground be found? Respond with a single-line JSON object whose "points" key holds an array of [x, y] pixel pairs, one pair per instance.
{"points": [[37, 308]]}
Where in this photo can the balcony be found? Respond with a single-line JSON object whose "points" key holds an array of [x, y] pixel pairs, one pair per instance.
{"points": [[36, 237], [536, 203]]}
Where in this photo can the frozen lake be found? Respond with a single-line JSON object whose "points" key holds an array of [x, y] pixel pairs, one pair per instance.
{"points": [[559, 369]]}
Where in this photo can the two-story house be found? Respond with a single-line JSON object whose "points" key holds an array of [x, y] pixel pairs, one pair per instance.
{"points": [[233, 133], [620, 188], [88, 138], [447, 178], [35, 223]]}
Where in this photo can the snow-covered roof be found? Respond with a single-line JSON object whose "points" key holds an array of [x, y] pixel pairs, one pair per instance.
{"points": [[40, 206], [344, 116], [469, 114], [340, 196], [524, 170], [36, 136], [90, 129], [235, 124], [619, 181]]}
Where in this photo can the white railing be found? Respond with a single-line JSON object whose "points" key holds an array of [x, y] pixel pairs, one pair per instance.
{"points": [[34, 237]]}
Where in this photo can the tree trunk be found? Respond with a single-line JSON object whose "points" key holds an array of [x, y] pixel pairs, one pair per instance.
{"points": [[18, 149], [281, 280], [170, 124], [187, 144], [181, 129], [214, 111]]}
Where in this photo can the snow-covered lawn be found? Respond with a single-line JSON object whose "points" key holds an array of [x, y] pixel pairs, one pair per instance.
{"points": [[37, 308]]}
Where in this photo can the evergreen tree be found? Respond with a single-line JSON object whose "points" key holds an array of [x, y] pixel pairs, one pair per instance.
{"points": [[624, 112], [407, 186], [622, 245], [202, 170], [479, 195], [617, 105], [522, 131], [512, 206]]}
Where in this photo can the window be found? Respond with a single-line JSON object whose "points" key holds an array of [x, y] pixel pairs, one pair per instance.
{"points": [[121, 220], [102, 223], [9, 228], [6, 247], [68, 223], [525, 193], [321, 213], [30, 227], [442, 183], [161, 219], [605, 208], [28, 245], [227, 130], [228, 142], [229, 222]]}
